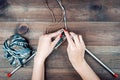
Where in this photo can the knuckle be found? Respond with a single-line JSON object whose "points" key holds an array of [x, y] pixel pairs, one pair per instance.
{"points": [[80, 36], [75, 35], [73, 48]]}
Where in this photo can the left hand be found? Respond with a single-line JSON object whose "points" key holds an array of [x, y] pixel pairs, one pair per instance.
{"points": [[46, 45]]}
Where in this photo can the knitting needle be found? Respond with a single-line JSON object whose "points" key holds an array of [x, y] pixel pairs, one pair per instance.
{"points": [[11, 73], [64, 14], [62, 36], [91, 54], [100, 62]]}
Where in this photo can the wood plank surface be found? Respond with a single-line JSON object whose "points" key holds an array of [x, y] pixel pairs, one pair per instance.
{"points": [[78, 10], [102, 38], [94, 33], [98, 21]]}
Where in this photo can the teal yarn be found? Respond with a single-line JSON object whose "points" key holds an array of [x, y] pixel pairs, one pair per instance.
{"points": [[17, 50]]}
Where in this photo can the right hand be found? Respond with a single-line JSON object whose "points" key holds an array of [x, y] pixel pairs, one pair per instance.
{"points": [[75, 49]]}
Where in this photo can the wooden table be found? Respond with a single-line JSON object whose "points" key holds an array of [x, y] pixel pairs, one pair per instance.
{"points": [[96, 20]]}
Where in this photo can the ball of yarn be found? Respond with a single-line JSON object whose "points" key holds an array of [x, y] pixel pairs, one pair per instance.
{"points": [[17, 50]]}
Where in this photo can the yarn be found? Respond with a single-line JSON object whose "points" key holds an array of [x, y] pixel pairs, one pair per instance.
{"points": [[17, 50]]}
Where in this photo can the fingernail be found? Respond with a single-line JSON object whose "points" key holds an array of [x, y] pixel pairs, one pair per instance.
{"points": [[60, 35], [65, 30]]}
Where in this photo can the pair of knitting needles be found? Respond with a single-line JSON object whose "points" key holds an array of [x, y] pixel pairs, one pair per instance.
{"points": [[63, 38]]}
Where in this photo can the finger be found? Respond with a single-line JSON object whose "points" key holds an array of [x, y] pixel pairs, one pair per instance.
{"points": [[54, 34], [69, 39], [75, 38], [81, 41], [55, 41]]}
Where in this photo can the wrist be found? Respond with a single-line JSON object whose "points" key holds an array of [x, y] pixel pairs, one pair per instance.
{"points": [[39, 56], [80, 65], [38, 61], [86, 72]]}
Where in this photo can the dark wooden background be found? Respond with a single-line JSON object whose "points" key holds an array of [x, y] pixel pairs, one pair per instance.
{"points": [[97, 20]]}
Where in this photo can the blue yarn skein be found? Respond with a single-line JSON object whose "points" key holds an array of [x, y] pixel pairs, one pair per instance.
{"points": [[17, 50]]}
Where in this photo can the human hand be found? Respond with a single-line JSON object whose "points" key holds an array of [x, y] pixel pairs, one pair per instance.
{"points": [[46, 45], [75, 49]]}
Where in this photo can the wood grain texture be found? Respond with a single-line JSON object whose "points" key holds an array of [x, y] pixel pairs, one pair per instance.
{"points": [[98, 21], [78, 10], [102, 38], [56, 74], [94, 33]]}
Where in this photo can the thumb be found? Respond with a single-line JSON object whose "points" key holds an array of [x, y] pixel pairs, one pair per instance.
{"points": [[55, 33]]}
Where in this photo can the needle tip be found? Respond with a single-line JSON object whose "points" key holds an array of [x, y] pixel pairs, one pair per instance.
{"points": [[9, 75], [116, 75]]}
